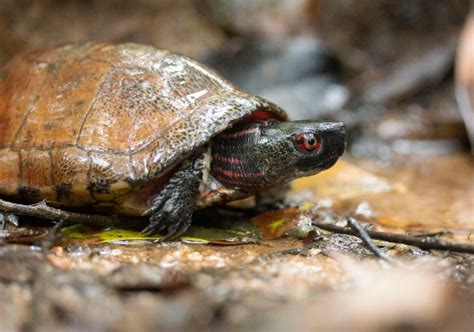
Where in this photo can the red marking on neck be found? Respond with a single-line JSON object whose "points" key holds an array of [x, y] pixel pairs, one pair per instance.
{"points": [[239, 183], [230, 160], [233, 174]]}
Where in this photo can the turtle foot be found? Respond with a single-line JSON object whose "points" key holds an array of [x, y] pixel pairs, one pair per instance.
{"points": [[171, 212], [173, 208]]}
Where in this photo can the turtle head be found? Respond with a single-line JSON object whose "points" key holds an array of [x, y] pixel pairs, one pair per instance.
{"points": [[271, 153]]}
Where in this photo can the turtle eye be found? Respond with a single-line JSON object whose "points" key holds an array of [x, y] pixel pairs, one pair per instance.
{"points": [[307, 142]]}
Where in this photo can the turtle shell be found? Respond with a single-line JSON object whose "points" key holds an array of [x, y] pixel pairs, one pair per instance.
{"points": [[105, 125]]}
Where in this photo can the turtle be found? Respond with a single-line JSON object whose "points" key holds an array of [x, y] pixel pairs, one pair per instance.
{"points": [[135, 131]]}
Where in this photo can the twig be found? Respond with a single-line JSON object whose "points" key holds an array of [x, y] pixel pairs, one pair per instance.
{"points": [[426, 243], [365, 237], [51, 237], [41, 210]]}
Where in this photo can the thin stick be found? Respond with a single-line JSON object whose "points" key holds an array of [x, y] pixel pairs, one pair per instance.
{"points": [[426, 243], [41, 210], [365, 237]]}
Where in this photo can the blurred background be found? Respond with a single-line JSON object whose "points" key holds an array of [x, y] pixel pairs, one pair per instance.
{"points": [[399, 74]]}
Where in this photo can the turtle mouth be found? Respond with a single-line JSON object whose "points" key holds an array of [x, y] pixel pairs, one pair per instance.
{"points": [[310, 166], [331, 160]]}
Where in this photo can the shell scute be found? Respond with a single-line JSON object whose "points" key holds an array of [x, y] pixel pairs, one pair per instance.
{"points": [[55, 117], [127, 113], [9, 171], [36, 184], [20, 77], [108, 176], [70, 170]]}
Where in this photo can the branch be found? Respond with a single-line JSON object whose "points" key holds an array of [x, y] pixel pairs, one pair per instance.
{"points": [[363, 234], [425, 243], [43, 211]]}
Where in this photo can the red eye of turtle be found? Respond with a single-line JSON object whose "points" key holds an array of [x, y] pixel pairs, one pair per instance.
{"points": [[307, 142]]}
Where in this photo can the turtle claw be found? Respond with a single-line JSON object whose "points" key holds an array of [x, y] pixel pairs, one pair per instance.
{"points": [[177, 230], [173, 220], [155, 226], [159, 222]]}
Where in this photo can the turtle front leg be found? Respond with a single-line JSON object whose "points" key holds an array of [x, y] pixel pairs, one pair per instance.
{"points": [[173, 207]]}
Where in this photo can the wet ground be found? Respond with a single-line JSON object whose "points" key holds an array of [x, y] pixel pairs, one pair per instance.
{"points": [[323, 281]]}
